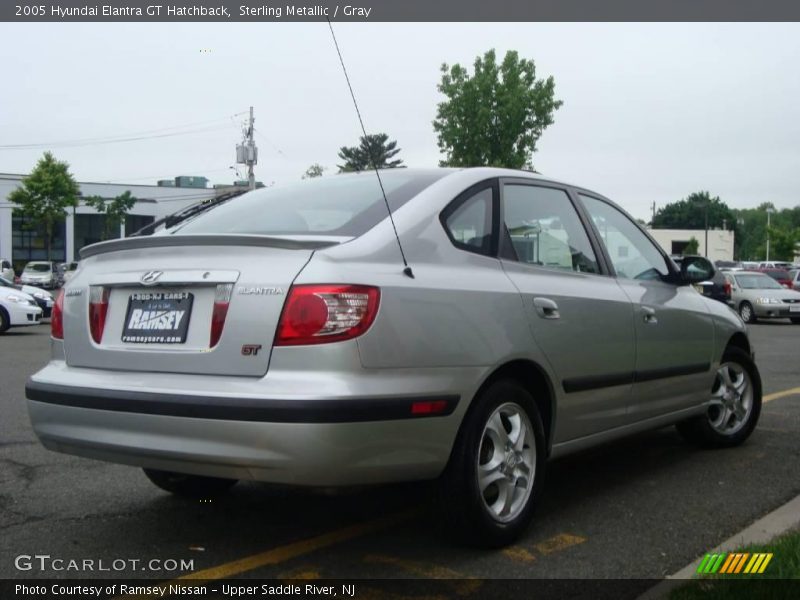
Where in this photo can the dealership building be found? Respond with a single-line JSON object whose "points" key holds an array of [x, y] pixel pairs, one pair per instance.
{"points": [[84, 225]]}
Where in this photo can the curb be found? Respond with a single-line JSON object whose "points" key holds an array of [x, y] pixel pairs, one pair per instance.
{"points": [[779, 521]]}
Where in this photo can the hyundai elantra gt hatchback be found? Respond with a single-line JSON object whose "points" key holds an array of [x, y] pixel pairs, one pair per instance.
{"points": [[278, 336]]}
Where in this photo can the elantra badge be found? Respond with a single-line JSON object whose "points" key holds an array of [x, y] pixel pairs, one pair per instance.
{"points": [[151, 277]]}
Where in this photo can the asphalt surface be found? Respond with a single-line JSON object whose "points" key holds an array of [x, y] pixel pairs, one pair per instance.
{"points": [[640, 508]]}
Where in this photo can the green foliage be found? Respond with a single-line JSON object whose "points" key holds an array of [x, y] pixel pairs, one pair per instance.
{"points": [[114, 210], [495, 116], [314, 170], [784, 233], [373, 151], [692, 248], [690, 213], [45, 195]]}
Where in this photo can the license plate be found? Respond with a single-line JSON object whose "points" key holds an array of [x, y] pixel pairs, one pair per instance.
{"points": [[157, 318], [794, 308]]}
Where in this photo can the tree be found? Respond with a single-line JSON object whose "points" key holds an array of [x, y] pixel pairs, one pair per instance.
{"points": [[495, 116], [374, 151], [45, 195], [690, 213], [783, 243], [692, 247], [314, 170], [114, 211]]}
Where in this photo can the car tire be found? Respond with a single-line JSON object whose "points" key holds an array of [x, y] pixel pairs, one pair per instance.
{"points": [[735, 407], [189, 486], [795, 320], [502, 435], [747, 313], [5, 320]]}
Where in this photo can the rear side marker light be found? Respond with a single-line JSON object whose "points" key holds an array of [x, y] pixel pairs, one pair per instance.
{"points": [[318, 314], [222, 299], [57, 317], [98, 309], [433, 407]]}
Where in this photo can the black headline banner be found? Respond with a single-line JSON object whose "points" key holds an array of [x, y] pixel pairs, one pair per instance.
{"points": [[399, 10]]}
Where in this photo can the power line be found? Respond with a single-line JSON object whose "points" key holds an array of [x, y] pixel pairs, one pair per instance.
{"points": [[175, 130]]}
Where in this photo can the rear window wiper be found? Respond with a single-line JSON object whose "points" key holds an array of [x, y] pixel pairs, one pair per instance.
{"points": [[189, 211]]}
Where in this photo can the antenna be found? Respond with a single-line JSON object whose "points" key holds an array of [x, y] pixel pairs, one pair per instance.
{"points": [[406, 269]]}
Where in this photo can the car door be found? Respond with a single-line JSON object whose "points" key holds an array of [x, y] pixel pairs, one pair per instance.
{"points": [[674, 328], [578, 315]]}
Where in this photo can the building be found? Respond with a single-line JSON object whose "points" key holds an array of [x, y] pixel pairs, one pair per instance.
{"points": [[85, 226], [674, 241]]}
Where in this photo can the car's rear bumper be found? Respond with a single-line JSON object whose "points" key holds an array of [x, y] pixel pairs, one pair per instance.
{"points": [[304, 440]]}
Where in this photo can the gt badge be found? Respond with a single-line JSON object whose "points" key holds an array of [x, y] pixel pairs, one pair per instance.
{"points": [[250, 349]]}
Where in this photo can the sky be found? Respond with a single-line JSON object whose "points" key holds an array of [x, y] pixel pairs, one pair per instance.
{"points": [[651, 113]]}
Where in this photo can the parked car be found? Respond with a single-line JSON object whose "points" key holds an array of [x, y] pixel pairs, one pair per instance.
{"points": [[794, 274], [779, 275], [43, 298], [68, 271], [299, 335], [728, 265], [17, 309], [42, 274], [778, 264], [6, 270], [717, 288], [756, 295]]}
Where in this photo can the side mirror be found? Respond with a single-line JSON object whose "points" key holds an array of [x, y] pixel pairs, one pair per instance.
{"points": [[695, 269]]}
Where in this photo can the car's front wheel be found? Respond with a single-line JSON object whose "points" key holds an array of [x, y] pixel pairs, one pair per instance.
{"points": [[795, 320], [747, 313], [496, 470], [734, 407], [5, 321], [191, 486]]}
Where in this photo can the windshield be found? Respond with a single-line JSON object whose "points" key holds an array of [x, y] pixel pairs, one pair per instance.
{"points": [[757, 282], [38, 267], [6, 283], [338, 205]]}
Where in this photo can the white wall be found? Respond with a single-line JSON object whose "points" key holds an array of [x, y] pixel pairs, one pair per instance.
{"points": [[720, 242]]}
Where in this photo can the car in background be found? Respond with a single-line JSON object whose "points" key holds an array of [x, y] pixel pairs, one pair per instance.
{"points": [[40, 273], [779, 275], [777, 264], [6, 269], [67, 270], [795, 276], [728, 265], [756, 295], [282, 336], [43, 298], [17, 309]]}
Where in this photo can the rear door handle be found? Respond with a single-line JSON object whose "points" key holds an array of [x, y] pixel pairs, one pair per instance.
{"points": [[546, 308], [649, 315]]}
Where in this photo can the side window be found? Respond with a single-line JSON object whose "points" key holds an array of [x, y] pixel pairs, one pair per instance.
{"points": [[633, 255], [544, 229], [469, 222]]}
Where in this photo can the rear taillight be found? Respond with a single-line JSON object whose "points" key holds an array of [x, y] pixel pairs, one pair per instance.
{"points": [[222, 299], [57, 317], [98, 309], [727, 288], [317, 314]]}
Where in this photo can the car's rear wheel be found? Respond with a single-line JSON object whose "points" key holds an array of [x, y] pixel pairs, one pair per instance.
{"points": [[5, 321], [191, 486], [735, 404], [747, 313], [795, 320], [496, 470]]}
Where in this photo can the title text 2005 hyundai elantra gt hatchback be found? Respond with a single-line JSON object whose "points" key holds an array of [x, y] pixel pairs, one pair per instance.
{"points": [[277, 337]]}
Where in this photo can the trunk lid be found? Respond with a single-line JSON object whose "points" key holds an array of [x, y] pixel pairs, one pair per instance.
{"points": [[161, 303]]}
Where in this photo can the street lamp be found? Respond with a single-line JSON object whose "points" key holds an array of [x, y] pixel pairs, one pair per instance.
{"points": [[770, 210]]}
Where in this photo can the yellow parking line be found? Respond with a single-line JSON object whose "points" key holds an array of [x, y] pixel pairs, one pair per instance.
{"points": [[519, 553], [783, 394], [289, 551], [558, 543], [462, 584]]}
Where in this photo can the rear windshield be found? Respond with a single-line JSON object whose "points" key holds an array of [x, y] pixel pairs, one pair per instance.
{"points": [[38, 267], [337, 205]]}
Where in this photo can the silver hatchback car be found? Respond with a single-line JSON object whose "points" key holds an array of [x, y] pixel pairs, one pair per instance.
{"points": [[278, 337]]}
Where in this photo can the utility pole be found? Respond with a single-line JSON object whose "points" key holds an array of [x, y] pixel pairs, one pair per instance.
{"points": [[769, 212], [654, 213], [247, 153]]}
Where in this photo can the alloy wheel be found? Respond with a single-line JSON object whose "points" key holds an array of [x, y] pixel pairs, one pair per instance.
{"points": [[731, 399]]}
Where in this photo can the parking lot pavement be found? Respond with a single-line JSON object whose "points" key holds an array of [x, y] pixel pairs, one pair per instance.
{"points": [[640, 508]]}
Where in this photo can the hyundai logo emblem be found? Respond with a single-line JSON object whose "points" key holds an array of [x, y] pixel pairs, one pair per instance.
{"points": [[151, 277]]}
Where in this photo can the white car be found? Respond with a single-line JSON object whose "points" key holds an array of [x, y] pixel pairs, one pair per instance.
{"points": [[43, 298], [17, 309], [6, 270], [40, 273]]}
